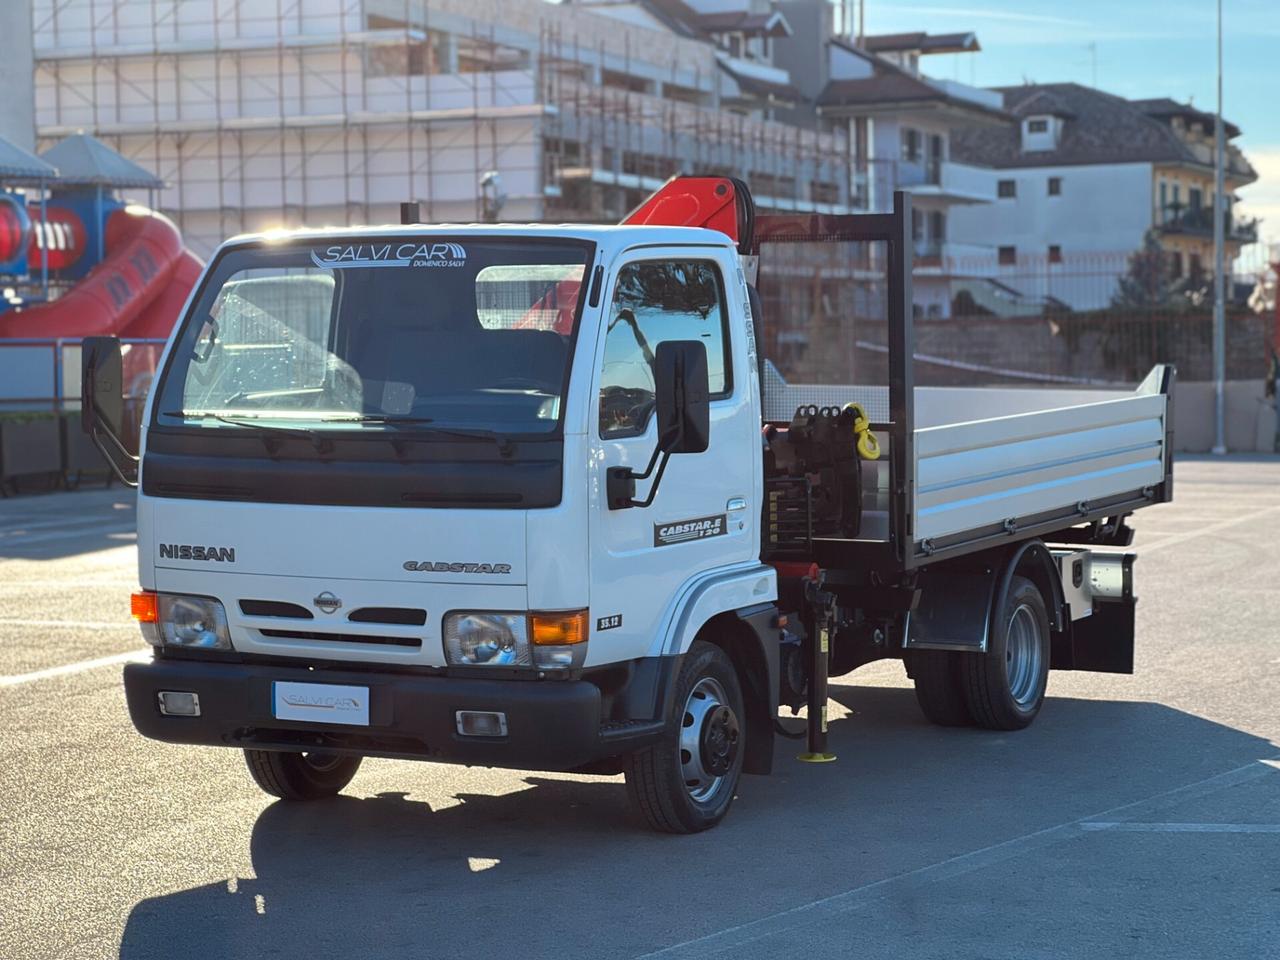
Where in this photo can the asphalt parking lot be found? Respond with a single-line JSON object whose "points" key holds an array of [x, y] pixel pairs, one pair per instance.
{"points": [[1139, 817]]}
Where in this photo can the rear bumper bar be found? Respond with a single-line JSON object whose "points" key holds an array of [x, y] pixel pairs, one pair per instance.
{"points": [[551, 725]]}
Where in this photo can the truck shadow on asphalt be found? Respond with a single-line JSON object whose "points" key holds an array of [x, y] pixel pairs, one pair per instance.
{"points": [[562, 869]]}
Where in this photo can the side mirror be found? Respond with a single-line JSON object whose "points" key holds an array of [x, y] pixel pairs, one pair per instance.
{"points": [[682, 405], [101, 384], [102, 402], [682, 396]]}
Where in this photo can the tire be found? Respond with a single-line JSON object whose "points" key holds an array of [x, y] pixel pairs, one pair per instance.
{"points": [[301, 776], [1005, 687], [681, 790], [939, 677]]}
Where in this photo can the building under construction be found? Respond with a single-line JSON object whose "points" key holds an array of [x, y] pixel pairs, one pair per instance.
{"points": [[277, 113]]}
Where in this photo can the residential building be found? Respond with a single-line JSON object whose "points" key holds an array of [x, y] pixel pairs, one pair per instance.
{"points": [[899, 122], [1082, 177], [334, 111]]}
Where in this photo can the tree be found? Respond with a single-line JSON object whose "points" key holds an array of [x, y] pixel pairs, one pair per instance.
{"points": [[1148, 281]]}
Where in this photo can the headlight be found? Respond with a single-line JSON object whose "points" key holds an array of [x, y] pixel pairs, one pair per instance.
{"points": [[175, 620], [488, 639], [477, 638]]}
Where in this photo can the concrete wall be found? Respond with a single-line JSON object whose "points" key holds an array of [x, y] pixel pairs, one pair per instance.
{"points": [[1250, 417], [17, 119]]}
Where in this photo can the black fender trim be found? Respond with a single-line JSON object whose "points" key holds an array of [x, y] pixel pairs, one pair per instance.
{"points": [[750, 637], [946, 617]]}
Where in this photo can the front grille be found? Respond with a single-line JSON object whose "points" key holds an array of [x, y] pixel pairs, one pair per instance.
{"points": [[404, 616], [274, 608], [342, 637]]}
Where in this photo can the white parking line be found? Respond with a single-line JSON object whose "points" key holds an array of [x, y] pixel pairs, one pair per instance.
{"points": [[75, 624], [22, 540], [69, 668], [1203, 531], [731, 939], [1123, 827]]}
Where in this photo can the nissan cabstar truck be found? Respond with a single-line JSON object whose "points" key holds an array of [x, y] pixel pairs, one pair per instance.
{"points": [[545, 497]]}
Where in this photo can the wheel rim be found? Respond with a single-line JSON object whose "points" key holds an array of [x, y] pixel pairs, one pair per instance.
{"points": [[322, 762], [709, 737], [1022, 656]]}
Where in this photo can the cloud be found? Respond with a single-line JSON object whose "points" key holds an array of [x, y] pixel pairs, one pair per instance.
{"points": [[1262, 199]]}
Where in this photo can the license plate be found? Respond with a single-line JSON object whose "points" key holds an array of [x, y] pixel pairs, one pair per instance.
{"points": [[320, 703]]}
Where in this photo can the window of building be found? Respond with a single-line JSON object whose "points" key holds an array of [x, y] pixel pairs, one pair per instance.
{"points": [[1196, 269], [1055, 253], [656, 301], [1164, 202], [1037, 126], [1055, 186], [1008, 256], [1195, 198], [1007, 188], [912, 149], [1175, 265]]}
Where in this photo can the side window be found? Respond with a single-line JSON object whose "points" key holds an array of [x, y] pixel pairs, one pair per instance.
{"points": [[656, 301]]}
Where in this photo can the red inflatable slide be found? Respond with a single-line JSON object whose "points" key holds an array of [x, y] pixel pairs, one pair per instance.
{"points": [[136, 292]]}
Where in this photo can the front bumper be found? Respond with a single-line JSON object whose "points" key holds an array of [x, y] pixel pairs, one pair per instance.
{"points": [[551, 725]]}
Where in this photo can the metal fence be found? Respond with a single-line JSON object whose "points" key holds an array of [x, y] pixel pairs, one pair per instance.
{"points": [[40, 374]]}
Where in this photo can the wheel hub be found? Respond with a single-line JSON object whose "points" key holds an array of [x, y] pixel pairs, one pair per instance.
{"points": [[719, 740], [709, 739]]}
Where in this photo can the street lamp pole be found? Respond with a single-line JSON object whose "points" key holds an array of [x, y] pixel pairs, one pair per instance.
{"points": [[1219, 270]]}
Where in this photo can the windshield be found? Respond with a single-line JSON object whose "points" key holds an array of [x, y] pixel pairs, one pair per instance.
{"points": [[466, 334]]}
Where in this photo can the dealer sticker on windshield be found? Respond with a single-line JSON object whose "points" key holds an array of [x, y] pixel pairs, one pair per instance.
{"points": [[343, 256], [320, 703], [682, 531]]}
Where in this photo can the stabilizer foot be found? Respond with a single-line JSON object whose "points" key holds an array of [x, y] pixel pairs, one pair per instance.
{"points": [[816, 757]]}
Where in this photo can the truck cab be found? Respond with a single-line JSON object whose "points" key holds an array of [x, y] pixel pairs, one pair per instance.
{"points": [[500, 495], [373, 504]]}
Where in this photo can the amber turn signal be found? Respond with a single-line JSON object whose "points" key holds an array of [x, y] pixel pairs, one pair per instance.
{"points": [[143, 607], [559, 629]]}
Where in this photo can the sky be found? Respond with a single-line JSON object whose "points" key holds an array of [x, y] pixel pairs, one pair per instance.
{"points": [[1139, 48]]}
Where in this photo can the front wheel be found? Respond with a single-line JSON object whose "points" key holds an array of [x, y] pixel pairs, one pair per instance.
{"points": [[686, 782], [301, 776]]}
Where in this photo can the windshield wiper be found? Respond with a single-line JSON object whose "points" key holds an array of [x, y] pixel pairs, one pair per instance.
{"points": [[505, 444], [268, 432], [466, 433]]}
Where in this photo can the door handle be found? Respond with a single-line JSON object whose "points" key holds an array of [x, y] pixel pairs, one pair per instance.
{"points": [[736, 503]]}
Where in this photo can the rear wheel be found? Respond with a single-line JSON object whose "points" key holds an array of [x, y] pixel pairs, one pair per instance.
{"points": [[686, 782], [301, 776], [1005, 688], [939, 677]]}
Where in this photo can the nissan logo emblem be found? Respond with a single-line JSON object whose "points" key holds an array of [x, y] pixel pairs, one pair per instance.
{"points": [[327, 602]]}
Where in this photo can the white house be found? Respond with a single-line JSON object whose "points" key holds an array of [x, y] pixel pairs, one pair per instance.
{"points": [[1080, 179]]}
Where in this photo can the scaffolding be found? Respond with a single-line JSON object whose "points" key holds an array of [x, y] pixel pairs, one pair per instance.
{"points": [[261, 114]]}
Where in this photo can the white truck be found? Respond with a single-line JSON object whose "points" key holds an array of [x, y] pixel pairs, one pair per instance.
{"points": [[527, 496]]}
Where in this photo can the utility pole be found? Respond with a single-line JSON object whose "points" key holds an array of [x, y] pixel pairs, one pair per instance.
{"points": [[1219, 270]]}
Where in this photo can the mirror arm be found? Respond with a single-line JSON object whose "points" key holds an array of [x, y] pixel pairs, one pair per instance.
{"points": [[653, 490], [96, 437], [621, 481]]}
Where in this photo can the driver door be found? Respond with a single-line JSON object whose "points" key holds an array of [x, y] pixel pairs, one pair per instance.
{"points": [[703, 516]]}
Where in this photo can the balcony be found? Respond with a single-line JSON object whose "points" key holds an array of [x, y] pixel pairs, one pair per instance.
{"points": [[946, 258], [931, 178], [1198, 222]]}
